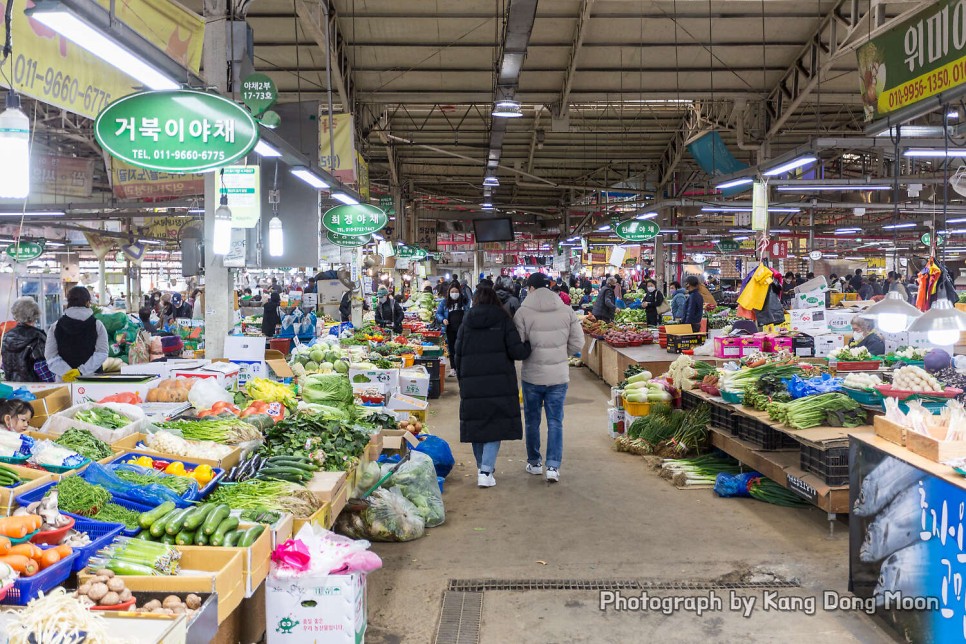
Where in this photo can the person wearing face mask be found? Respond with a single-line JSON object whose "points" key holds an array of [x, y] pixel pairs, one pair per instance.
{"points": [[77, 342], [449, 314], [388, 312], [864, 335], [694, 305], [653, 300]]}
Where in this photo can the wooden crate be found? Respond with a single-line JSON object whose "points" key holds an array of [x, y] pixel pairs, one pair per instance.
{"points": [[934, 447], [885, 428]]}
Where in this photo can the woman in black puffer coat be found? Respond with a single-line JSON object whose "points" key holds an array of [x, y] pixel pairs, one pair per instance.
{"points": [[486, 346]]}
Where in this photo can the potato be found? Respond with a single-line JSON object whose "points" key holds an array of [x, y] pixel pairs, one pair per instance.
{"points": [[125, 595], [110, 599], [151, 605], [171, 601], [84, 589], [115, 585], [104, 572], [180, 608], [97, 591], [101, 579], [193, 601]]}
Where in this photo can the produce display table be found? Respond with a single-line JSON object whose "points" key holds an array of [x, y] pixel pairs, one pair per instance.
{"points": [[905, 536]]}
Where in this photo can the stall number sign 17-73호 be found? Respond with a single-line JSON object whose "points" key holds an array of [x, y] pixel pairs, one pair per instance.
{"points": [[177, 131]]}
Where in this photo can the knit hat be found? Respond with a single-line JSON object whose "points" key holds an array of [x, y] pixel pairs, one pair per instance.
{"points": [[382, 292], [538, 280]]}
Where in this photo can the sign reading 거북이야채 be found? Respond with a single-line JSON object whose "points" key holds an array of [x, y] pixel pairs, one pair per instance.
{"points": [[635, 230], [347, 241], [176, 130], [915, 60], [354, 220]]}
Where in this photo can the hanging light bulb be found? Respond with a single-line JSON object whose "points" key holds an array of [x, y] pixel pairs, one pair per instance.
{"points": [[942, 323], [14, 150], [221, 243], [276, 244], [893, 314]]}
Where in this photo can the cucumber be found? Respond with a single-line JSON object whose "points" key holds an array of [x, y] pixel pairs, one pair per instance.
{"points": [[285, 469], [168, 539], [302, 464], [121, 567], [144, 535], [175, 523], [215, 517], [201, 539], [250, 536], [281, 476], [218, 538], [149, 517], [230, 538], [197, 517], [184, 538], [157, 528]]}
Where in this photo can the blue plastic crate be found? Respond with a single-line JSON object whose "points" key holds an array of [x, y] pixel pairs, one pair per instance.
{"points": [[190, 496], [101, 534], [38, 493], [28, 588]]}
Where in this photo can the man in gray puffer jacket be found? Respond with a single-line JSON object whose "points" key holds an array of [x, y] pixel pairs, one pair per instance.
{"points": [[553, 331]]}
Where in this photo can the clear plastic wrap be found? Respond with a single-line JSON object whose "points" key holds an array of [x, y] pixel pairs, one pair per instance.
{"points": [[387, 516], [416, 480]]}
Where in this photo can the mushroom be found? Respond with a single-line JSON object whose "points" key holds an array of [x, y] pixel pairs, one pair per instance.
{"points": [[97, 591], [125, 595], [151, 605], [193, 601], [110, 599], [116, 585]]}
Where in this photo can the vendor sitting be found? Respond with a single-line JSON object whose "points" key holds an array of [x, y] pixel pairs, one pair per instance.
{"points": [[864, 335]]}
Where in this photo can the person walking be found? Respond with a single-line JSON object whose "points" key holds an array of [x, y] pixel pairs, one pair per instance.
{"points": [[389, 313], [487, 344], [653, 300], [271, 315], [606, 303], [679, 298], [77, 342], [504, 291], [694, 306], [554, 334], [23, 345], [450, 314]]}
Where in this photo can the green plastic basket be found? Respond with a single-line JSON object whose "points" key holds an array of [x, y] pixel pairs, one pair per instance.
{"points": [[14, 460], [733, 397], [864, 396], [57, 469]]}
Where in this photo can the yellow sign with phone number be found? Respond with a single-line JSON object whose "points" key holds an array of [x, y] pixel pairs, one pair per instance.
{"points": [[46, 66]]}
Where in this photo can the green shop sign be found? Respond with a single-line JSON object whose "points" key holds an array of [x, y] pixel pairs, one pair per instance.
{"points": [[179, 131], [347, 241], [634, 230], [354, 220], [388, 205], [258, 93], [411, 252], [728, 246], [25, 251], [915, 60]]}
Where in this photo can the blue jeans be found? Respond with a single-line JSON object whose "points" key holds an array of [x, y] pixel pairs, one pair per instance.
{"points": [[550, 397], [485, 454]]}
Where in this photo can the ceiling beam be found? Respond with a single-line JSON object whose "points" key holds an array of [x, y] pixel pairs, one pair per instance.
{"points": [[313, 16], [580, 30], [674, 151]]}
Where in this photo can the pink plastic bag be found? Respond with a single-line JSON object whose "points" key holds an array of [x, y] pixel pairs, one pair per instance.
{"points": [[292, 554]]}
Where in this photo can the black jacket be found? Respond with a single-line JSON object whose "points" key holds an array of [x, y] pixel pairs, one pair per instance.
{"points": [[23, 346], [271, 316], [486, 346], [605, 305], [694, 310], [390, 314], [345, 307], [651, 302], [874, 343], [509, 301]]}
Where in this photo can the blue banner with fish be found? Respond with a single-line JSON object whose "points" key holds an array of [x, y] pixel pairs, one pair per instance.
{"points": [[907, 546]]}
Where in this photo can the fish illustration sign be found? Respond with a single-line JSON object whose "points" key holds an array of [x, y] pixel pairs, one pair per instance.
{"points": [[907, 545]]}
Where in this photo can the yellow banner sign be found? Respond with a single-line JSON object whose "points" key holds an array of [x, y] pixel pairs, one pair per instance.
{"points": [[129, 182], [363, 177], [48, 67], [339, 140], [875, 262]]}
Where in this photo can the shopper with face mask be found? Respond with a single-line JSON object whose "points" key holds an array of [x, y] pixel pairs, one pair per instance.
{"points": [[449, 314], [864, 335], [652, 300], [389, 313]]}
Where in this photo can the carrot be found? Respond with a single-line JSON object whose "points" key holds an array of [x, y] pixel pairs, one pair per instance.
{"points": [[13, 527], [24, 565], [4, 545], [27, 550], [64, 551], [49, 558]]}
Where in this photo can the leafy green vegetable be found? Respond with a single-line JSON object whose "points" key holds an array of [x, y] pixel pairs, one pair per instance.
{"points": [[331, 444], [330, 389], [85, 444]]}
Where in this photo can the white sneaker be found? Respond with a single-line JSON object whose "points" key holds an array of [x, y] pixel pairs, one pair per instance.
{"points": [[485, 480], [452, 373], [534, 469], [553, 475]]}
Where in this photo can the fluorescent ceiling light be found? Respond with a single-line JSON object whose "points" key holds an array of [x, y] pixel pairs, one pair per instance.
{"points": [[926, 153], [779, 230], [491, 181], [344, 198], [740, 238], [674, 243], [959, 220], [263, 149], [604, 228], [952, 114], [894, 226], [151, 241], [34, 213], [507, 108], [103, 46], [486, 205], [739, 230], [833, 188], [724, 209], [788, 210], [791, 165], [647, 215], [734, 182], [847, 231], [309, 177], [196, 211], [669, 231]]}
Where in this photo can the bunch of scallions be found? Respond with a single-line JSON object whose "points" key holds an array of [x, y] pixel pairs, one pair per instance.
{"points": [[698, 471]]}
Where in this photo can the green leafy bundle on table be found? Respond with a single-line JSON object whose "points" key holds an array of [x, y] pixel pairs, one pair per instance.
{"points": [[331, 444]]}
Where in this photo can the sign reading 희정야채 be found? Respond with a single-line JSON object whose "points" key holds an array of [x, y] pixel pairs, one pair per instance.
{"points": [[634, 230], [354, 220], [915, 60], [176, 130], [347, 241]]}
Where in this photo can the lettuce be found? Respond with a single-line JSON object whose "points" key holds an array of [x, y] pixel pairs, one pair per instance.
{"points": [[331, 389]]}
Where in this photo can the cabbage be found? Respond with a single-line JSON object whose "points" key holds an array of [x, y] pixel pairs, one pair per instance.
{"points": [[327, 388]]}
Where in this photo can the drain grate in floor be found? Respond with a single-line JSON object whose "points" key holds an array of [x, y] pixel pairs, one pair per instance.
{"points": [[481, 585], [460, 618]]}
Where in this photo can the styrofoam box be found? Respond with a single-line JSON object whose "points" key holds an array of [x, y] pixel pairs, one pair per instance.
{"points": [[919, 340], [812, 320], [388, 377], [826, 343], [162, 369], [414, 381], [840, 321], [224, 373], [310, 609], [85, 390], [895, 341]]}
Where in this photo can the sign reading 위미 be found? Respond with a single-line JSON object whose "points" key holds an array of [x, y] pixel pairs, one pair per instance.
{"points": [[634, 230], [347, 241], [354, 220], [919, 58], [25, 251], [176, 130]]}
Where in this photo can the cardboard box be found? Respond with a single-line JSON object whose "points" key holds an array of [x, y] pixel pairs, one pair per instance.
{"points": [[389, 378], [256, 558], [254, 360], [894, 341], [803, 346], [225, 373], [398, 440], [920, 340], [129, 444], [33, 479], [934, 446], [399, 402], [615, 422], [94, 388], [326, 485], [221, 572], [840, 321], [370, 394], [811, 294], [812, 320], [311, 609], [414, 381], [890, 431], [48, 403], [320, 518], [162, 368], [826, 343], [374, 448]]}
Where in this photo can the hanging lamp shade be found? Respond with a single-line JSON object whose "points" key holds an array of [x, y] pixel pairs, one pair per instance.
{"points": [[14, 150], [942, 324], [893, 314], [276, 247], [221, 243]]}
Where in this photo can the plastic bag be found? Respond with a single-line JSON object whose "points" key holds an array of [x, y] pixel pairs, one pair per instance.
{"points": [[153, 494], [439, 450], [371, 474], [14, 445], [731, 485], [49, 453], [416, 480], [64, 420], [387, 516], [206, 392]]}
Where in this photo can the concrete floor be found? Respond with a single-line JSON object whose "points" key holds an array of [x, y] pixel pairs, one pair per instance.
{"points": [[610, 517]]}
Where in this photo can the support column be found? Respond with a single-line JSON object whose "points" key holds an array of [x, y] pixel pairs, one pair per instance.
{"points": [[659, 261], [101, 282], [356, 298], [219, 303]]}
